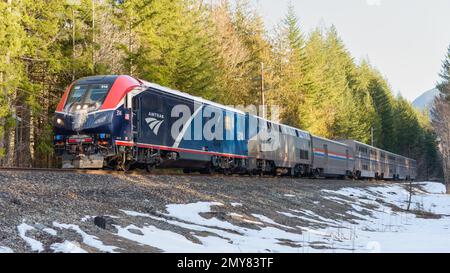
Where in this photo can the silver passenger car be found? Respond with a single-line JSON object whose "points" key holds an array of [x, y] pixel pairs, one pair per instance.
{"points": [[279, 149], [372, 162], [331, 158]]}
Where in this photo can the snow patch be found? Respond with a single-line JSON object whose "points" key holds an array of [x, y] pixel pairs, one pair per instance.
{"points": [[89, 240], [67, 247], [4, 249], [50, 231], [87, 218], [370, 225], [433, 187], [34, 244]]}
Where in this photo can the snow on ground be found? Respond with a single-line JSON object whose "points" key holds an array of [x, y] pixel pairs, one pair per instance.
{"points": [[377, 220], [432, 187], [67, 247], [50, 231], [89, 240], [4, 249], [386, 228], [34, 244]]}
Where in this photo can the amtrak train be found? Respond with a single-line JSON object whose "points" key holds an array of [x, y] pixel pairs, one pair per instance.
{"points": [[120, 122]]}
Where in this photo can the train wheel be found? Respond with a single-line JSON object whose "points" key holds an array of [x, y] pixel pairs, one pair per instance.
{"points": [[207, 170], [150, 168], [126, 166], [316, 174]]}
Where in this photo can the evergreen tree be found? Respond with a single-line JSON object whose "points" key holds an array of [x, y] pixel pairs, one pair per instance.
{"points": [[383, 104], [249, 27], [173, 47], [213, 51], [290, 69], [444, 85], [12, 38], [233, 58]]}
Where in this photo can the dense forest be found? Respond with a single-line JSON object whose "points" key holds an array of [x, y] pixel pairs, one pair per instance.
{"points": [[213, 49]]}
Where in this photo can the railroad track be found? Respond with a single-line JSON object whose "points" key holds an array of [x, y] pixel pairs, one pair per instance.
{"points": [[87, 171], [157, 172]]}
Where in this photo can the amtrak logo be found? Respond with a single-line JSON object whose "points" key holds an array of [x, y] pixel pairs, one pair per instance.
{"points": [[154, 124]]}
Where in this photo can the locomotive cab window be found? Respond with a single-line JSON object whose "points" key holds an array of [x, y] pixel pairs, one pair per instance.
{"points": [[87, 97]]}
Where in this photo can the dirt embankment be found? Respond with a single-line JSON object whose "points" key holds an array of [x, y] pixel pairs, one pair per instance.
{"points": [[52, 208]]}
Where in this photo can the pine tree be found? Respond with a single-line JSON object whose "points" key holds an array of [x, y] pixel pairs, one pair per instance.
{"points": [[383, 104], [290, 69], [233, 57], [444, 85], [12, 39], [172, 45], [249, 27]]}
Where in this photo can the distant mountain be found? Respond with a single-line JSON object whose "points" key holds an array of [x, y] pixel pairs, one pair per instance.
{"points": [[426, 100]]}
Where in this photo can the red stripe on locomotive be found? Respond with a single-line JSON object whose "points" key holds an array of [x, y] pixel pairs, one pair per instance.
{"points": [[120, 88]]}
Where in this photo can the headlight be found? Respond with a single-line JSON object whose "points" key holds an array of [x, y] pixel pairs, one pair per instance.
{"points": [[60, 121]]}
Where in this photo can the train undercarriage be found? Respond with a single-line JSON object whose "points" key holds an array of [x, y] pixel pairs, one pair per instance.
{"points": [[97, 152]]}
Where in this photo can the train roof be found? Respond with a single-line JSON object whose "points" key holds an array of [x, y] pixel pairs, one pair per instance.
{"points": [[331, 141], [379, 149], [191, 97], [202, 100], [105, 79]]}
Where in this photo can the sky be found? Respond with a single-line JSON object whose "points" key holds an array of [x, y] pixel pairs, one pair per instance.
{"points": [[405, 39]]}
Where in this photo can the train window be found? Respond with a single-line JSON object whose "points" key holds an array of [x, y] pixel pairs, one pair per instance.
{"points": [[98, 94], [304, 154], [76, 94], [365, 167], [289, 131], [92, 94], [363, 150], [325, 148]]}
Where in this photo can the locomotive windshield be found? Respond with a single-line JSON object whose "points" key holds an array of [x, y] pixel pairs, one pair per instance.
{"points": [[87, 97]]}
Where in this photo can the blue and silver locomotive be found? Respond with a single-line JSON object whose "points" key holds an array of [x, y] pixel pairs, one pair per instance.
{"points": [[121, 122]]}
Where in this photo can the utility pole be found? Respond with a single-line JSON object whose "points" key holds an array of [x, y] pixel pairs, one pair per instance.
{"points": [[73, 44], [371, 135], [93, 36], [263, 98]]}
